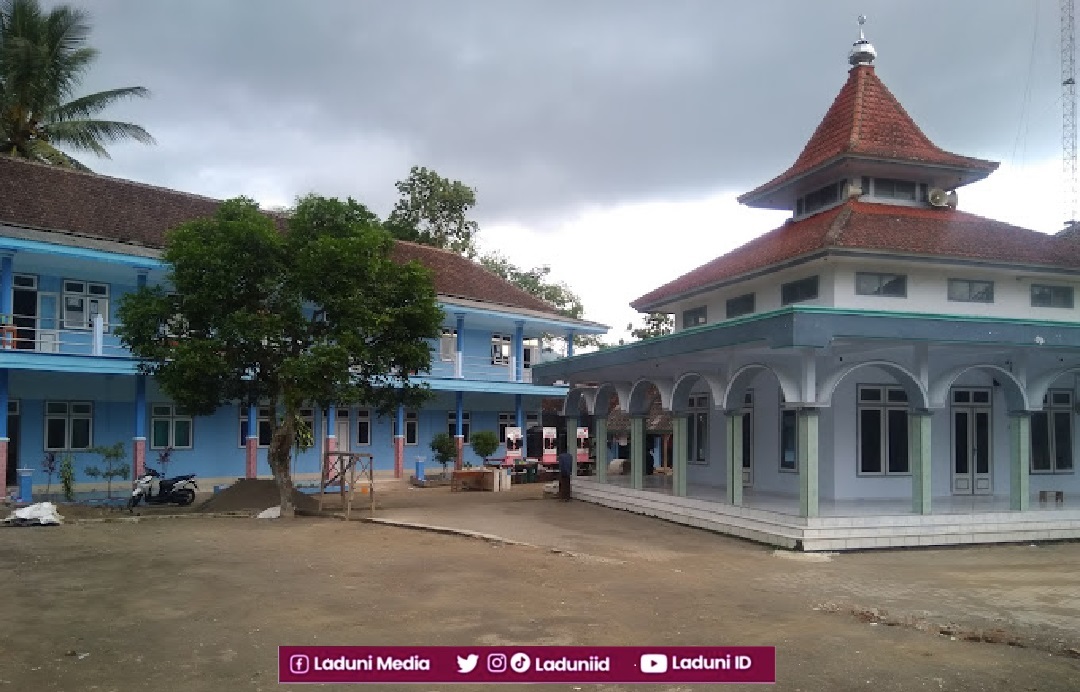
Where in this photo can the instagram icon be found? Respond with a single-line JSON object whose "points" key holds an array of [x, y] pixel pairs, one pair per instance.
{"points": [[299, 664]]}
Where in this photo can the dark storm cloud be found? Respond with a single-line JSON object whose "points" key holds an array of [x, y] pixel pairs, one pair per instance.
{"points": [[549, 106]]}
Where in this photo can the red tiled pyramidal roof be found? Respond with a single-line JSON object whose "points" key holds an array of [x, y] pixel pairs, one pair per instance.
{"points": [[50, 198], [866, 120], [854, 225]]}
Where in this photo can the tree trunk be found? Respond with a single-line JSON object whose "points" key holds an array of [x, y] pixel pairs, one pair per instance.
{"points": [[280, 457]]}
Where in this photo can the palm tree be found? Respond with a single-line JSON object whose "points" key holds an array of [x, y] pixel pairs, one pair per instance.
{"points": [[42, 59]]}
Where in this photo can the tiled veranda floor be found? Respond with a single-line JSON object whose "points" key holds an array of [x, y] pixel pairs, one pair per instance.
{"points": [[843, 524]]}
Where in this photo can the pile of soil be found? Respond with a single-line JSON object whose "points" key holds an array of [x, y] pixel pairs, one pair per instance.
{"points": [[254, 494]]}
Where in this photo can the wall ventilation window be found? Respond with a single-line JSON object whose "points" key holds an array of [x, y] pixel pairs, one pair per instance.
{"points": [[817, 200], [740, 305], [798, 291], [883, 431], [886, 188], [694, 317], [878, 284], [1051, 296], [1052, 434], [968, 291]]}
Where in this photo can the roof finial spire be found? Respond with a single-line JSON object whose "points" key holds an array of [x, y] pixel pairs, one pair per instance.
{"points": [[862, 52]]}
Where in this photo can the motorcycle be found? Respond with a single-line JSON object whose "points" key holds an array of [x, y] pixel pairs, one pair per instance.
{"points": [[152, 489]]}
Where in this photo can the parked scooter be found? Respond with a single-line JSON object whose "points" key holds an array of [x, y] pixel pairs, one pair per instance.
{"points": [[155, 490]]}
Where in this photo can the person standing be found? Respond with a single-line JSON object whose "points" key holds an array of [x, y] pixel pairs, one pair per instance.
{"points": [[566, 470]]}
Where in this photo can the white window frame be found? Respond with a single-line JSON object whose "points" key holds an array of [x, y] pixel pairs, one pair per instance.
{"points": [[466, 424], [883, 406], [747, 434], [170, 414], [501, 349], [92, 296], [412, 428], [1050, 408], [264, 417], [363, 427], [781, 461], [506, 420], [69, 416], [447, 344], [697, 429]]}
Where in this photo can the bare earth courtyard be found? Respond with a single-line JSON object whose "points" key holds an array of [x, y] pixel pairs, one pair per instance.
{"points": [[202, 603]]}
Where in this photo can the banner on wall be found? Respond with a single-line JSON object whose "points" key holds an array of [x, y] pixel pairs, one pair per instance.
{"points": [[513, 444]]}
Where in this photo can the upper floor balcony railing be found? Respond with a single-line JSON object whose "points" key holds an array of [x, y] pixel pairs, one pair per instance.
{"points": [[34, 334], [461, 366], [48, 335]]}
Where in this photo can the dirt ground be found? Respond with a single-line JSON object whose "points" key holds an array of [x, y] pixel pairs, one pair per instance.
{"points": [[202, 603]]}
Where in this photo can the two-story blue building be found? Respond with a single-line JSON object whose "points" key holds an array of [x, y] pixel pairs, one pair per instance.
{"points": [[72, 243]]}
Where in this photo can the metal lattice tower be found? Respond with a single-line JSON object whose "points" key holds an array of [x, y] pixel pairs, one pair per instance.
{"points": [[1068, 104]]}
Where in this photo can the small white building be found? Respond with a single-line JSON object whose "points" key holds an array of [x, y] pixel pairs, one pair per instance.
{"points": [[882, 370]]}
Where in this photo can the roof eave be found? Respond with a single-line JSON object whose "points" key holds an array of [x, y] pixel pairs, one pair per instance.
{"points": [[780, 193]]}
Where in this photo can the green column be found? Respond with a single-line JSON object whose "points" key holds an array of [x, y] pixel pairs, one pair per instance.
{"points": [[678, 448], [601, 450], [1019, 492], [808, 462], [919, 447], [637, 452], [571, 442], [734, 458]]}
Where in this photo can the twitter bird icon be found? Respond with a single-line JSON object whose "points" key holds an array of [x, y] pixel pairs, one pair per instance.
{"points": [[466, 664]]}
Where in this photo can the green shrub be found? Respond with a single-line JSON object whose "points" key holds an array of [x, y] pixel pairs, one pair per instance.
{"points": [[444, 448], [484, 443]]}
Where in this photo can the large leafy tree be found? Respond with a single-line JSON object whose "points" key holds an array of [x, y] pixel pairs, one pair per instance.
{"points": [[433, 210], [537, 281], [653, 324], [43, 56], [311, 314]]}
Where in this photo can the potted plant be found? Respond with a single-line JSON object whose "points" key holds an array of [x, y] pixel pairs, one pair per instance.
{"points": [[484, 443], [444, 448]]}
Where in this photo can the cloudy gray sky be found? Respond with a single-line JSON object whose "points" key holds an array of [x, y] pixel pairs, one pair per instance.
{"points": [[618, 125]]}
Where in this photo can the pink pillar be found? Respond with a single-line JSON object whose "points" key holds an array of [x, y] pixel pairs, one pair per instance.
{"points": [[399, 456], [459, 440], [252, 457], [138, 457], [331, 443], [3, 466]]}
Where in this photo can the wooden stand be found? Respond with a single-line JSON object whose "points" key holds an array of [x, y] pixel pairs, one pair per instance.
{"points": [[8, 335], [337, 466]]}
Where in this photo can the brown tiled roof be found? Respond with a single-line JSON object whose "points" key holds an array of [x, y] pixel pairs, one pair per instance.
{"points": [[936, 232], [460, 277], [866, 120], [62, 200]]}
